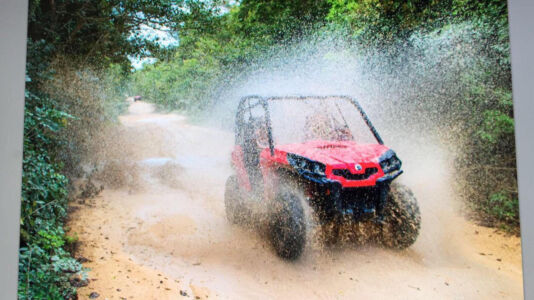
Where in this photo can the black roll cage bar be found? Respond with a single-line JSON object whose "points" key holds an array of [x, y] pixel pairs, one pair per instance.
{"points": [[244, 105]]}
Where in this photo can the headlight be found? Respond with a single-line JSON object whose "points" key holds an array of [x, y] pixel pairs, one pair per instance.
{"points": [[390, 162], [319, 168], [304, 164]]}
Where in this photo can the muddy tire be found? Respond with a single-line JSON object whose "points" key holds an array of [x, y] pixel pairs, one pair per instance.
{"points": [[233, 202], [287, 225], [402, 218]]}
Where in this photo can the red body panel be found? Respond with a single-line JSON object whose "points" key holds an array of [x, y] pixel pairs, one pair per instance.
{"points": [[334, 155]]}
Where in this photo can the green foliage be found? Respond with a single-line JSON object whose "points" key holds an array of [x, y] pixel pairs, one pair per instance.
{"points": [[279, 21], [495, 125], [504, 206], [71, 239], [182, 83], [44, 267], [44, 273], [99, 31], [380, 22], [213, 45]]}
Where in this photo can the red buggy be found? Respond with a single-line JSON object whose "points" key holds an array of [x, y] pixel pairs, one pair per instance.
{"points": [[319, 151]]}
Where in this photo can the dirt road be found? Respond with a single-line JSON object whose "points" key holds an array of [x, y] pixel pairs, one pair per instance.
{"points": [[165, 236]]}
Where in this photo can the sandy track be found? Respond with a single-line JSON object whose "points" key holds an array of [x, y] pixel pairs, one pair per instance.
{"points": [[165, 235]]}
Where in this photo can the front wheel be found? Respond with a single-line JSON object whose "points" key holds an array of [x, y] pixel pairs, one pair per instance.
{"points": [[287, 226], [402, 219]]}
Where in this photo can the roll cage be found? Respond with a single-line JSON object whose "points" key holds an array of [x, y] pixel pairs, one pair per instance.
{"points": [[247, 103]]}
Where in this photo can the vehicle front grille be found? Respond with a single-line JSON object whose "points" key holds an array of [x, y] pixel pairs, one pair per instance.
{"points": [[345, 173]]}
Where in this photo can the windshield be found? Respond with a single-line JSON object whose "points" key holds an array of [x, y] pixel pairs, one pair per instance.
{"points": [[328, 119]]}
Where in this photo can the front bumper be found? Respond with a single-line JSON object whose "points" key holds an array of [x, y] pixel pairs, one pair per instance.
{"points": [[355, 204]]}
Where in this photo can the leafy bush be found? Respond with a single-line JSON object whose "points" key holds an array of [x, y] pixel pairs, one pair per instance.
{"points": [[44, 266], [503, 206], [45, 274]]}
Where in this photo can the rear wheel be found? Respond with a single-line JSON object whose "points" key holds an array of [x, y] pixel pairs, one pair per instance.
{"points": [[287, 226], [233, 201], [402, 218]]}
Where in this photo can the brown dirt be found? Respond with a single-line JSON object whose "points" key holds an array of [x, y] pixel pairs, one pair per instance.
{"points": [[166, 236]]}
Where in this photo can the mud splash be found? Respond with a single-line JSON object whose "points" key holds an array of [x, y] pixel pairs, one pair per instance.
{"points": [[168, 237]]}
